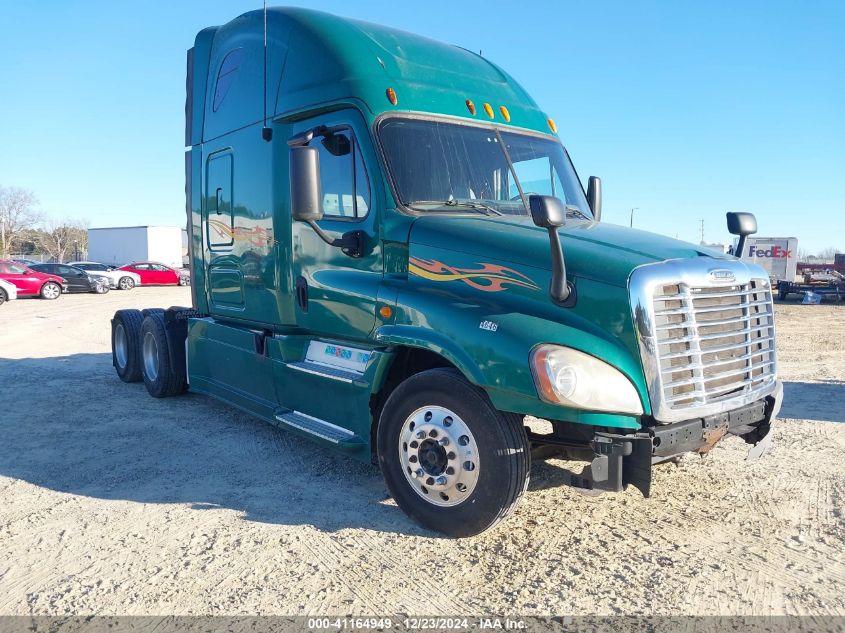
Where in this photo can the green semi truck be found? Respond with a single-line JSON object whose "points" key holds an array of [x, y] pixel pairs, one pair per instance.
{"points": [[392, 255]]}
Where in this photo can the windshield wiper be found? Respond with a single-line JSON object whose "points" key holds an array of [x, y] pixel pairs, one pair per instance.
{"points": [[576, 212], [475, 206]]}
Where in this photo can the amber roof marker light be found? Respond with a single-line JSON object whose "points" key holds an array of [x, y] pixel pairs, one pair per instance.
{"points": [[552, 125], [470, 106], [391, 96], [505, 113], [489, 110]]}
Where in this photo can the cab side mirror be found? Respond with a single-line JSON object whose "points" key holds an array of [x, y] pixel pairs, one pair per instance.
{"points": [[306, 197], [594, 196], [547, 211], [550, 213], [742, 224]]}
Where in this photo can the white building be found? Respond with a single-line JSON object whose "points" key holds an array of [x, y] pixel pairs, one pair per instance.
{"points": [[126, 244]]}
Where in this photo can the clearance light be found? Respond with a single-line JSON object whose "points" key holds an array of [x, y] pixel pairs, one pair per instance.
{"points": [[470, 107], [391, 96], [385, 312], [552, 125], [488, 109], [505, 113]]}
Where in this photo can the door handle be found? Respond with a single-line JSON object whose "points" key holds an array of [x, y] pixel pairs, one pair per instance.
{"points": [[219, 199], [302, 293]]}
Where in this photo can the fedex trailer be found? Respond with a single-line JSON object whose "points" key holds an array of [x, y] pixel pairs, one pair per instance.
{"points": [[777, 255]]}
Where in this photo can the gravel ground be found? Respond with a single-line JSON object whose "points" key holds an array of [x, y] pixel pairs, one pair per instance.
{"points": [[112, 502]]}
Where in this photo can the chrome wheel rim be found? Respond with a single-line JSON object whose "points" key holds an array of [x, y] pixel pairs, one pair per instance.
{"points": [[439, 456], [51, 291], [150, 353], [126, 283], [121, 347]]}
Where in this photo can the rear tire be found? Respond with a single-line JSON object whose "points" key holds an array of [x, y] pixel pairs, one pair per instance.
{"points": [[125, 344], [452, 461], [51, 291], [160, 376], [126, 283], [2, 296]]}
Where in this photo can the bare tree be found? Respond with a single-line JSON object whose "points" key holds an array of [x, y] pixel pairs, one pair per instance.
{"points": [[60, 238], [18, 212], [827, 253]]}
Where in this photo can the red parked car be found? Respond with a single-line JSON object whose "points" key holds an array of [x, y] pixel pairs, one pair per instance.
{"points": [[153, 273], [31, 283]]}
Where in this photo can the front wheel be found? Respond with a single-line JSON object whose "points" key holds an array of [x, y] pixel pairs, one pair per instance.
{"points": [[2, 296], [51, 291], [126, 283], [451, 461]]}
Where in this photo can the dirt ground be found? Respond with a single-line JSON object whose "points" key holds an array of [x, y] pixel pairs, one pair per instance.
{"points": [[113, 502]]}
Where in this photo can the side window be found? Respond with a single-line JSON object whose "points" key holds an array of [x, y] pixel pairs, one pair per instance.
{"points": [[535, 176], [228, 71], [160, 268], [142, 266], [346, 190], [4, 268]]}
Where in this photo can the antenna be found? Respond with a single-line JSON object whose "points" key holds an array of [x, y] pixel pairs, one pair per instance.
{"points": [[266, 132], [702, 231]]}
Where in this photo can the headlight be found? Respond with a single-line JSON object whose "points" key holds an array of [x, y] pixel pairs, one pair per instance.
{"points": [[575, 379]]}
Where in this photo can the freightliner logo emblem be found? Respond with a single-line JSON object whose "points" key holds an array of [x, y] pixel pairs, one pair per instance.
{"points": [[721, 276]]}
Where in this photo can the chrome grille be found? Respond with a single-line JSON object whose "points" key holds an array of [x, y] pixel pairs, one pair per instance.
{"points": [[713, 342], [707, 342]]}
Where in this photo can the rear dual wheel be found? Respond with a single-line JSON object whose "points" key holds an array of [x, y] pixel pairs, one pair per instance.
{"points": [[451, 461], [161, 375]]}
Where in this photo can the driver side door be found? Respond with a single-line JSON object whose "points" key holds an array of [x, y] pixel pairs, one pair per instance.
{"points": [[335, 294]]}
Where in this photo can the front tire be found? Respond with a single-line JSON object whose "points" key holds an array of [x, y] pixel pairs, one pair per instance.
{"points": [[2, 296], [161, 377], [51, 291], [125, 344], [452, 462], [126, 283]]}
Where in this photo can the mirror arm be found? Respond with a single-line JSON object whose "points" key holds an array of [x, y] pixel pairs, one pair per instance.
{"points": [[351, 243], [560, 290], [740, 246]]}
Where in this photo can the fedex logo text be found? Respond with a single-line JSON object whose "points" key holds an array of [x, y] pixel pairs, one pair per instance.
{"points": [[774, 251]]}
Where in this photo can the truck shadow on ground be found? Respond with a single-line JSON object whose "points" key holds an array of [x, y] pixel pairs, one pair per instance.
{"points": [[80, 430], [819, 401]]}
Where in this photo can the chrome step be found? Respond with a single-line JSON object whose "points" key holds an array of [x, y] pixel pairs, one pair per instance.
{"points": [[332, 373], [317, 427]]}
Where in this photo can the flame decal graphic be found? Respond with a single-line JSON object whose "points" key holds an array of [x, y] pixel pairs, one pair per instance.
{"points": [[488, 278], [255, 236]]}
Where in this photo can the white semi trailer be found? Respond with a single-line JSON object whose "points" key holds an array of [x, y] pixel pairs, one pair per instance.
{"points": [[125, 244], [777, 255]]}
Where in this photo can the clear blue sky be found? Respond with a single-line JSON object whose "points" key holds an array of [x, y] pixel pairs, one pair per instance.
{"points": [[686, 109]]}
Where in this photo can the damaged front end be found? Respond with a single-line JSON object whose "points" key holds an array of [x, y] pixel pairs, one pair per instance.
{"points": [[620, 460]]}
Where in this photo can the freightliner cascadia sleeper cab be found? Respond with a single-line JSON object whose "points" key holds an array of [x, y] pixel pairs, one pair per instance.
{"points": [[393, 255]]}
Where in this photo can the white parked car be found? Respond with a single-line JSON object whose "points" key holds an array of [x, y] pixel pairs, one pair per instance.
{"points": [[8, 291], [122, 279]]}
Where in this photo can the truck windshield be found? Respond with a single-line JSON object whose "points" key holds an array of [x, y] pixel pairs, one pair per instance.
{"points": [[442, 167]]}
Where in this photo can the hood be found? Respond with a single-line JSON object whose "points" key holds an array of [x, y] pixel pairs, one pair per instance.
{"points": [[604, 252]]}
